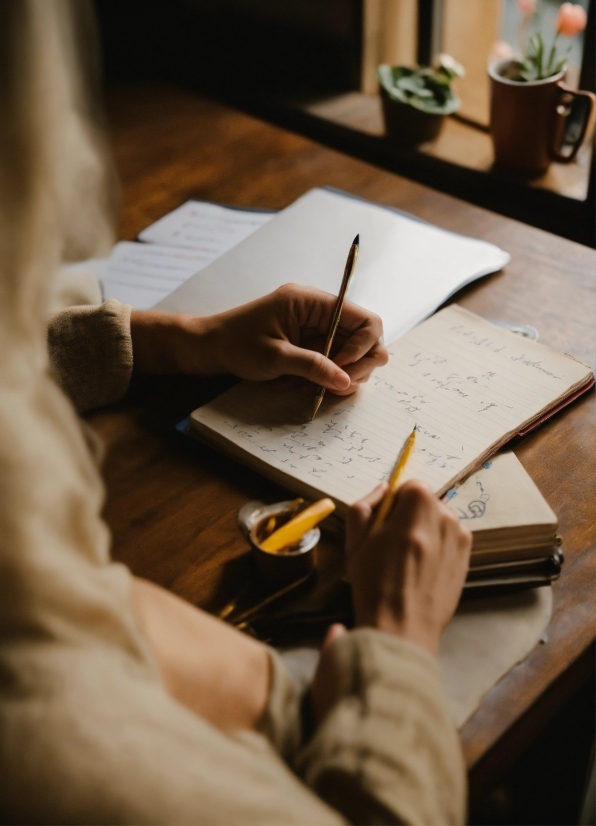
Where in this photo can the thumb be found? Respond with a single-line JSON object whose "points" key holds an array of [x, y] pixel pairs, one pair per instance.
{"points": [[334, 632], [308, 364]]}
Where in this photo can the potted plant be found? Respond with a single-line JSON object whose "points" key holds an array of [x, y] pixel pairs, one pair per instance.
{"points": [[535, 117], [416, 101]]}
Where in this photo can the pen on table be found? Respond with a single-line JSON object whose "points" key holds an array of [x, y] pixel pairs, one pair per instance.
{"points": [[396, 473], [349, 269]]}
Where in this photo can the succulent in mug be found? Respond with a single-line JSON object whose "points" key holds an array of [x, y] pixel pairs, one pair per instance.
{"points": [[541, 62]]}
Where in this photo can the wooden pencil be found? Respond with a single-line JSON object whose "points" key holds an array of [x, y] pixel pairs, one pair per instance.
{"points": [[396, 473]]}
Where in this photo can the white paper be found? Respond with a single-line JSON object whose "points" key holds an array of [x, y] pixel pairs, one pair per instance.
{"points": [[405, 268], [210, 229], [179, 245], [143, 274]]}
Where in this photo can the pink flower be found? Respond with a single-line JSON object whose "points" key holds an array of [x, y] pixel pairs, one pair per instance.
{"points": [[527, 7], [571, 20], [501, 51]]}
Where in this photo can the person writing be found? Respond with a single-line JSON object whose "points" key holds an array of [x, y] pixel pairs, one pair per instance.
{"points": [[119, 702]]}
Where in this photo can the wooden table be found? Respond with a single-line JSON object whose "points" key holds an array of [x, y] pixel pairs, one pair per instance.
{"points": [[173, 510]]}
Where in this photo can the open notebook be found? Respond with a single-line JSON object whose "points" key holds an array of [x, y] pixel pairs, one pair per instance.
{"points": [[406, 267], [468, 385]]}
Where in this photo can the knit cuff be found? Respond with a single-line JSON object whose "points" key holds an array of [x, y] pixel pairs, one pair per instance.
{"points": [[90, 351], [281, 723], [387, 750]]}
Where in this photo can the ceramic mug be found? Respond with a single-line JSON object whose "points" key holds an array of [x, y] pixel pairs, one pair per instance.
{"points": [[536, 122]]}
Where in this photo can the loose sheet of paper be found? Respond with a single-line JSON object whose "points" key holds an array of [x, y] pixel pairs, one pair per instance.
{"points": [[179, 245], [406, 268], [465, 383], [143, 274], [209, 229]]}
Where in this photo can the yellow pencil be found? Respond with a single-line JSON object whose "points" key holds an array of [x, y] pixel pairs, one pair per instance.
{"points": [[292, 532], [402, 461]]}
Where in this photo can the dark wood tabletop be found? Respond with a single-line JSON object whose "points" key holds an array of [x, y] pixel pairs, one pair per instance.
{"points": [[173, 508]]}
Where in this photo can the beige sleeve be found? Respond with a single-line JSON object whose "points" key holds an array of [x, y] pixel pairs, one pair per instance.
{"points": [[89, 733], [388, 751], [90, 351]]}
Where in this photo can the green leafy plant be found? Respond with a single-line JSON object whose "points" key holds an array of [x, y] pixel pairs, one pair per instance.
{"points": [[539, 62], [427, 89], [536, 65]]}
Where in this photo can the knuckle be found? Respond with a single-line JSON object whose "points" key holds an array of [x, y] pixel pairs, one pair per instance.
{"points": [[276, 358], [319, 365], [465, 537], [357, 510], [377, 322], [417, 490], [417, 544], [287, 291], [382, 354], [450, 518]]}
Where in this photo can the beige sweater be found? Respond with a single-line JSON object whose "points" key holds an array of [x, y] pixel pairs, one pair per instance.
{"points": [[88, 733]]}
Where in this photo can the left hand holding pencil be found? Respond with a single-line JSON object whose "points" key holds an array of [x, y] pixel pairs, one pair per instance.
{"points": [[279, 334], [407, 576]]}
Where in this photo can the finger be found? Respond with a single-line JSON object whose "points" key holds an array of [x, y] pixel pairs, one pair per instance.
{"points": [[455, 547], [372, 499], [334, 632], [353, 317], [308, 364], [363, 368], [459, 536], [416, 504], [359, 516], [315, 308], [368, 337], [357, 519]]}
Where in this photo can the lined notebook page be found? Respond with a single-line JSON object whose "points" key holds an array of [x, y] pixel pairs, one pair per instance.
{"points": [[467, 384]]}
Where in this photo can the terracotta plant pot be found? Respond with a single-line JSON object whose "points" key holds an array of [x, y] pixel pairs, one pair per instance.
{"points": [[535, 122], [407, 125]]}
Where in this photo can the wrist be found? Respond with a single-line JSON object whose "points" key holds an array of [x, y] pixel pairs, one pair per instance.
{"points": [[170, 343], [419, 633], [198, 347]]}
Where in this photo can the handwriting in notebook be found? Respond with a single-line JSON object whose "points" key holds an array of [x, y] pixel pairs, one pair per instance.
{"points": [[465, 384]]}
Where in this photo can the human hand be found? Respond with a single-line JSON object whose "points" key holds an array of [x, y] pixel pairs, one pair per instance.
{"points": [[279, 334], [407, 577]]}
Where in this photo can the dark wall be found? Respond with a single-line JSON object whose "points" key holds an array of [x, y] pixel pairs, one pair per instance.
{"points": [[292, 48]]}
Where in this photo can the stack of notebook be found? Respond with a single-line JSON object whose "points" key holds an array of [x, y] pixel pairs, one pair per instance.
{"points": [[468, 385], [514, 529]]}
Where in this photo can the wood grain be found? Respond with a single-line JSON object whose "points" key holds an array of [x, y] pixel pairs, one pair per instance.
{"points": [[172, 507]]}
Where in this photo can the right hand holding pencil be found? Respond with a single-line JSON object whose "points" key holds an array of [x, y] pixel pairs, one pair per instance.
{"points": [[280, 334], [407, 577]]}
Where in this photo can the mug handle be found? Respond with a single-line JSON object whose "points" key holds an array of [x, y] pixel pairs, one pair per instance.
{"points": [[564, 109]]}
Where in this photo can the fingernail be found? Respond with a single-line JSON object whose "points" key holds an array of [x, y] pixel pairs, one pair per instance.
{"points": [[342, 381]]}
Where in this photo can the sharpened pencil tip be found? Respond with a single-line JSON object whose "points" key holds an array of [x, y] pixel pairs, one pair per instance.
{"points": [[356, 240], [315, 407]]}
